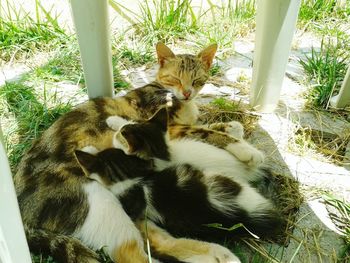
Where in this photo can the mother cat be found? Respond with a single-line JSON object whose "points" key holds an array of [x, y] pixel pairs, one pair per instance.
{"points": [[63, 211]]}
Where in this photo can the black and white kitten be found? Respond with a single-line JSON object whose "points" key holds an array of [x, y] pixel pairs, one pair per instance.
{"points": [[191, 184]]}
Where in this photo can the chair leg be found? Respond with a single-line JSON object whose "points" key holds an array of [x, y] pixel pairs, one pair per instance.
{"points": [[13, 244], [275, 26], [92, 27], [343, 98]]}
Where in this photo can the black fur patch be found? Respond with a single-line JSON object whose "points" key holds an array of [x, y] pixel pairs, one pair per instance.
{"points": [[118, 166], [227, 185], [146, 138], [134, 202]]}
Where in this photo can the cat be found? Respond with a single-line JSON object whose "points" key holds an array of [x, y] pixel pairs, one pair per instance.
{"points": [[69, 215], [191, 185], [129, 178]]}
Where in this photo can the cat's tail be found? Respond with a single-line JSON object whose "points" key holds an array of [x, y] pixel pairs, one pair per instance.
{"points": [[63, 249], [266, 219]]}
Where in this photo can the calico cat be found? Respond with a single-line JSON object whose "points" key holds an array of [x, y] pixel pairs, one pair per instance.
{"points": [[191, 185], [135, 183], [69, 215]]}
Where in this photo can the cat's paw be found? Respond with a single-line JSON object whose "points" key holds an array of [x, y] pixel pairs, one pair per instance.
{"points": [[115, 122], [215, 254], [235, 129], [246, 153]]}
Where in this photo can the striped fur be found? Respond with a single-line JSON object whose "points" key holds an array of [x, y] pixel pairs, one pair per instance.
{"points": [[56, 199]]}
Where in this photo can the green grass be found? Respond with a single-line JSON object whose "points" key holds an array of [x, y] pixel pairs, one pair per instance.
{"points": [[132, 51], [326, 68], [325, 17], [225, 104], [342, 220], [31, 115], [20, 34], [169, 20], [323, 10]]}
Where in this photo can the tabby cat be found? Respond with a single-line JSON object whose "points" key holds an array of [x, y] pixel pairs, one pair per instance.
{"points": [[67, 214]]}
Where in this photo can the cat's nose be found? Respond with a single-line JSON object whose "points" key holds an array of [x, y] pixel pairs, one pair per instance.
{"points": [[187, 94]]}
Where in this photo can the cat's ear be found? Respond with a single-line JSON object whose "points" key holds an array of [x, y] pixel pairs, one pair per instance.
{"points": [[163, 53], [86, 160], [207, 55], [161, 118], [133, 142]]}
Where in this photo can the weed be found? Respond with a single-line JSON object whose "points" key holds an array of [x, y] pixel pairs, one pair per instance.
{"points": [[65, 65], [31, 116], [321, 10], [42, 259], [165, 20], [215, 70], [225, 104], [240, 10], [327, 69], [21, 34], [132, 51], [341, 218]]}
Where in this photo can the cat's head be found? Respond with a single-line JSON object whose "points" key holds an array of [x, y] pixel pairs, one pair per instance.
{"points": [[112, 165], [185, 75], [146, 139]]}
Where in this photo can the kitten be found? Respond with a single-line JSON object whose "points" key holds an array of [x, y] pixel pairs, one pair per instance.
{"points": [[69, 215], [193, 184], [134, 182]]}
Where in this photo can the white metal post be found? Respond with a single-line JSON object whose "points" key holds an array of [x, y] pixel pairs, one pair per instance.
{"points": [[275, 26], [92, 27], [13, 244], [343, 98]]}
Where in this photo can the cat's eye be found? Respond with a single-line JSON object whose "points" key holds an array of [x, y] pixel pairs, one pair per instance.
{"points": [[173, 79], [198, 82]]}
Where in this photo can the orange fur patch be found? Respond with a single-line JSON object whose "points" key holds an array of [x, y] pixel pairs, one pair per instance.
{"points": [[180, 248], [130, 252]]}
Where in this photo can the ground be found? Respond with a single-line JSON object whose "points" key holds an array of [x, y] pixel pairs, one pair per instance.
{"points": [[301, 139]]}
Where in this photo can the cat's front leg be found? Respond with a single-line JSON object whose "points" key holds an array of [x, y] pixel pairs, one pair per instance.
{"points": [[184, 249], [234, 128], [246, 153], [238, 147]]}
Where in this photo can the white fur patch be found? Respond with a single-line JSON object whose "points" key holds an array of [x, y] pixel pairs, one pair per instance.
{"points": [[204, 157], [106, 225], [246, 153], [90, 149], [116, 122], [215, 254], [252, 201], [121, 187], [151, 212], [235, 129], [96, 177]]}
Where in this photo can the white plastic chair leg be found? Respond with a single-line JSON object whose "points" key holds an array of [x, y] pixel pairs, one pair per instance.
{"points": [[343, 98], [275, 26], [13, 243], [92, 28]]}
